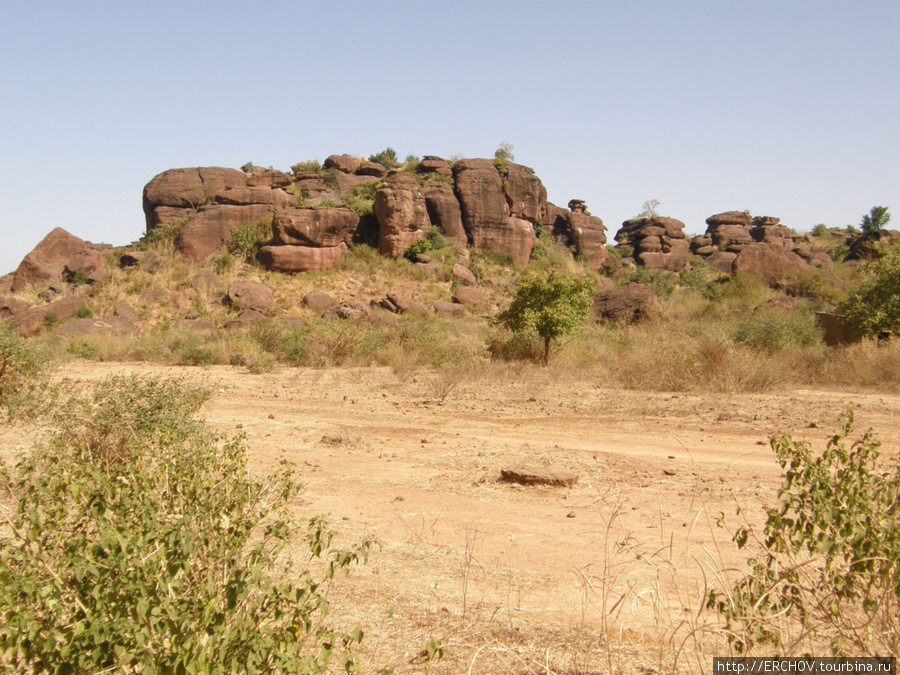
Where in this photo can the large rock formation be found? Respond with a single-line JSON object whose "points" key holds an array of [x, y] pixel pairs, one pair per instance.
{"points": [[47, 260], [186, 189], [319, 227], [443, 210], [485, 212], [657, 242], [296, 259], [587, 233], [402, 213], [525, 194], [211, 227]]}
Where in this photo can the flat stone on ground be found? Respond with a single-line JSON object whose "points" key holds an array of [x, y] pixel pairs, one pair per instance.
{"points": [[529, 475]]}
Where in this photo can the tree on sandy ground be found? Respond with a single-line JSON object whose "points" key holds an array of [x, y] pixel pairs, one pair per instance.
{"points": [[549, 307]]}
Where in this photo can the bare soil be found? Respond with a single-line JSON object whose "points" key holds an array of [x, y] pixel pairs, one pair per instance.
{"points": [[609, 575]]}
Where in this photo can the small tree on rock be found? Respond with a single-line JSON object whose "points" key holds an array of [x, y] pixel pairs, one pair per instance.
{"points": [[875, 221], [549, 307]]}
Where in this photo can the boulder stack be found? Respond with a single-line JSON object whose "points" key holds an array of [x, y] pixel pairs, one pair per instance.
{"points": [[657, 243]]}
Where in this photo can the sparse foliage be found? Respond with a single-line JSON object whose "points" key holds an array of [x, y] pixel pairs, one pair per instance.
{"points": [[387, 158], [650, 209], [831, 555], [549, 307], [23, 371]]}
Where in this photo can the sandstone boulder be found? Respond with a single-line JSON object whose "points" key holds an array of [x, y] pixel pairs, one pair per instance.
{"points": [[131, 259], [89, 264], [6, 283], [317, 299], [629, 303], [29, 321], [775, 265], [432, 164], [556, 221], [463, 275], [733, 238], [297, 259], [46, 261], [311, 185], [443, 210], [722, 261], [319, 227], [481, 198], [347, 182], [400, 304], [245, 196], [657, 242], [740, 218], [163, 215], [269, 178], [588, 235], [767, 232], [402, 213], [125, 312], [350, 309], [468, 296], [444, 307], [10, 305], [539, 475], [367, 168], [209, 229], [188, 188], [525, 194], [343, 163], [250, 295]]}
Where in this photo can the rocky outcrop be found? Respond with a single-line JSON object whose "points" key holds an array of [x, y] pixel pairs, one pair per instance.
{"points": [[525, 194], [297, 259], [588, 234], [774, 264], [402, 213], [186, 189], [657, 243], [443, 210], [343, 163], [245, 196], [29, 322], [250, 295], [46, 261], [206, 232], [628, 303], [432, 164], [485, 212], [318, 227], [269, 179]]}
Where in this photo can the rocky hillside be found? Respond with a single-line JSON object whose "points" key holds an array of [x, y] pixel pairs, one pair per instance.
{"points": [[308, 221]]}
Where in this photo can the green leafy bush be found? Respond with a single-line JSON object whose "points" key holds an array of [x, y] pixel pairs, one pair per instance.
{"points": [[308, 166], [433, 241], [830, 560], [387, 158], [84, 313], [774, 331], [24, 371], [873, 307], [874, 222], [139, 542], [549, 307], [245, 241]]}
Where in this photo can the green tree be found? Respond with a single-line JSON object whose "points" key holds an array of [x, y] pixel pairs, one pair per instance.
{"points": [[549, 307], [504, 153], [873, 307], [387, 158], [875, 221]]}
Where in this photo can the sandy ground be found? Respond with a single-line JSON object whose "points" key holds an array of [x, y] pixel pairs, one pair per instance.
{"points": [[606, 576]]}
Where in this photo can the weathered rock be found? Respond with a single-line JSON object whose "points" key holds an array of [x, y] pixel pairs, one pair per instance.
{"points": [[350, 309], [131, 259], [10, 305], [733, 238], [674, 256], [401, 212], [444, 307], [317, 299], [296, 259], [555, 220], [740, 218], [443, 210], [152, 262], [775, 265], [319, 227], [481, 198], [463, 275], [367, 168], [658, 242], [347, 182], [432, 164], [210, 228], [630, 302], [269, 178], [163, 215], [125, 312], [343, 163], [89, 264], [6, 283], [705, 250], [250, 294], [776, 234], [466, 295], [311, 185], [588, 235], [250, 315], [701, 241], [47, 260], [530, 475], [187, 188], [29, 321], [114, 325], [525, 194], [722, 261], [822, 261], [245, 196], [403, 305]]}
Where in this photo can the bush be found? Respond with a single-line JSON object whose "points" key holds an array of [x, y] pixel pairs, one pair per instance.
{"points": [[140, 543], [831, 556], [308, 166], [773, 332], [387, 158], [84, 313], [433, 241], [874, 222], [244, 242], [24, 372], [549, 307], [873, 307]]}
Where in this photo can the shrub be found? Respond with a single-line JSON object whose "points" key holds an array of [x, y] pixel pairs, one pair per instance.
{"points": [[831, 555], [549, 307], [191, 351], [308, 166], [873, 307], [141, 543], [773, 332], [387, 158], [23, 372], [433, 241], [84, 313], [245, 241], [874, 222]]}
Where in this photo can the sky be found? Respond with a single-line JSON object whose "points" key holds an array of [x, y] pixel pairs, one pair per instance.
{"points": [[785, 108]]}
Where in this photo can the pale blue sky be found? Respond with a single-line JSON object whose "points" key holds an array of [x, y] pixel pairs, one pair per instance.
{"points": [[783, 108]]}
